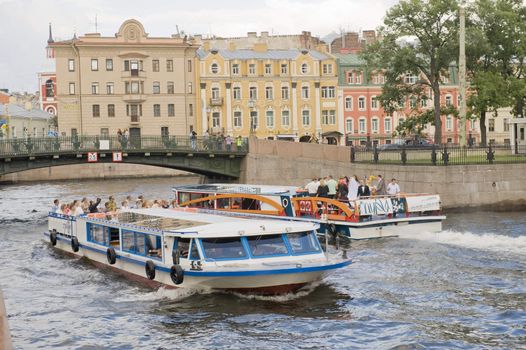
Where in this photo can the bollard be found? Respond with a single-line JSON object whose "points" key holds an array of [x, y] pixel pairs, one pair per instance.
{"points": [[5, 336]]}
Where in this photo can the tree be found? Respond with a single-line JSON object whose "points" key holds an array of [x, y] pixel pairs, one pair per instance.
{"points": [[494, 52], [419, 38]]}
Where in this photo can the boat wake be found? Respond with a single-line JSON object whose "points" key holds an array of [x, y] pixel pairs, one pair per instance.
{"points": [[304, 291], [483, 241]]}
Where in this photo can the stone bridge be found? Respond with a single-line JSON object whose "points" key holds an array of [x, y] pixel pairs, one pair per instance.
{"points": [[210, 156]]}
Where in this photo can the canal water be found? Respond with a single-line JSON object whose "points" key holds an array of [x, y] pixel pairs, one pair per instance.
{"points": [[463, 288]]}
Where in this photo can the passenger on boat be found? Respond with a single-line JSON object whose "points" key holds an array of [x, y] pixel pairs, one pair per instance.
{"points": [[111, 204], [331, 184], [78, 209], [363, 189], [323, 190], [312, 187], [380, 187], [66, 210], [93, 206], [84, 205], [156, 204], [56, 206], [393, 188], [124, 205], [342, 190], [165, 204]]}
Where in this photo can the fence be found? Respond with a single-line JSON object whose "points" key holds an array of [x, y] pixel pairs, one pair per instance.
{"points": [[440, 155], [56, 145]]}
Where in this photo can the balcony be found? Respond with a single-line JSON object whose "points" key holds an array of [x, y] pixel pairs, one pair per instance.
{"points": [[216, 101], [134, 73], [134, 97]]}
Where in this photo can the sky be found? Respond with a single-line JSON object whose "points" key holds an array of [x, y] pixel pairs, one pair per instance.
{"points": [[24, 23]]}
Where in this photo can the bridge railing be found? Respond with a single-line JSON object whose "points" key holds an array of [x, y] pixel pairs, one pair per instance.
{"points": [[69, 144]]}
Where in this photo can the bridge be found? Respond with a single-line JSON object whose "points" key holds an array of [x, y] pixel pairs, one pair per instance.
{"points": [[209, 156]]}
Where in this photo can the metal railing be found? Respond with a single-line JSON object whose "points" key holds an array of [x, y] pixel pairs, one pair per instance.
{"points": [[70, 144], [440, 155]]}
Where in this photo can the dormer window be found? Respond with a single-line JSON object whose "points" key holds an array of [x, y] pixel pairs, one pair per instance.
{"points": [[214, 68], [304, 68]]}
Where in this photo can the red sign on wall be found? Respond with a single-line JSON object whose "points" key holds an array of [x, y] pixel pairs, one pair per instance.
{"points": [[93, 157]]}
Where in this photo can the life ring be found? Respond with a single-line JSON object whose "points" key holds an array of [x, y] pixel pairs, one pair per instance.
{"points": [[75, 244], [149, 267], [285, 202], [53, 237], [177, 274], [111, 255]]}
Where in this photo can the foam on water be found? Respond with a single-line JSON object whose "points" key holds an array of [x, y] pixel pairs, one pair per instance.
{"points": [[482, 241], [304, 291]]}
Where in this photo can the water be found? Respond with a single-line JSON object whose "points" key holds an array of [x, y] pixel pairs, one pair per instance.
{"points": [[463, 288]]}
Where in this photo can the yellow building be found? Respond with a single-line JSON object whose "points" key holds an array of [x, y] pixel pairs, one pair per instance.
{"points": [[277, 94]]}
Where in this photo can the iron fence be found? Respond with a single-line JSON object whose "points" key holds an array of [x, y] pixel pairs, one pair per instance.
{"points": [[67, 144], [440, 155]]}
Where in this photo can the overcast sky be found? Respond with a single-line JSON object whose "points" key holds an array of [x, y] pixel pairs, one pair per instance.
{"points": [[24, 23]]}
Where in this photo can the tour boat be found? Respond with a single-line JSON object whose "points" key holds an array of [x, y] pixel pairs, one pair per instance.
{"points": [[186, 248], [364, 218]]}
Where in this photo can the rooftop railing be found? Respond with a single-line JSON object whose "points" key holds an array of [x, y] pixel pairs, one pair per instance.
{"points": [[70, 144]]}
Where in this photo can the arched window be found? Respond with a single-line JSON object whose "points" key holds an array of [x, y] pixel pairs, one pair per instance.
{"points": [[304, 68], [50, 89], [214, 68]]}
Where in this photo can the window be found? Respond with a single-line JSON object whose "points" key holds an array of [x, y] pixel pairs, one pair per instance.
{"points": [[156, 87], [170, 87], [412, 102], [285, 117], [214, 68], [374, 125], [235, 69], [270, 118], [189, 65], [126, 65], [94, 64], [165, 131], [449, 123], [237, 93], [305, 117], [171, 110], [94, 88], [169, 65], [104, 132], [361, 103], [449, 100], [348, 125], [410, 79], [98, 234], [304, 92], [111, 110], [72, 88], [361, 126], [284, 68], [135, 87], [304, 68], [401, 103], [71, 65], [327, 92], [95, 110], [268, 93], [216, 121], [327, 69], [374, 102], [156, 110], [491, 124], [155, 65], [387, 125], [134, 68], [253, 93], [267, 245], [254, 122], [284, 92], [252, 69], [190, 88], [505, 125], [109, 88], [215, 93], [472, 122], [401, 121], [50, 88], [423, 102], [183, 247], [303, 243], [223, 248], [328, 117], [238, 119], [348, 103], [109, 64], [190, 110]]}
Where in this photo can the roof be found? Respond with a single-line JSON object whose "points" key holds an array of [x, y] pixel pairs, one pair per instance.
{"points": [[349, 59], [13, 110], [238, 188], [201, 225], [289, 54]]}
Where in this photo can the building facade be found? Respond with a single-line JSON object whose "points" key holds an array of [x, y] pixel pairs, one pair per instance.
{"points": [[131, 81], [366, 121], [47, 94], [276, 94], [22, 122]]}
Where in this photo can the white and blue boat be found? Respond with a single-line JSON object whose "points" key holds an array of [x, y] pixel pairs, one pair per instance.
{"points": [[189, 249]]}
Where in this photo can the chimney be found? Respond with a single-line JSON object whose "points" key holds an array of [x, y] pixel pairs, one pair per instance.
{"points": [[264, 35], [252, 34]]}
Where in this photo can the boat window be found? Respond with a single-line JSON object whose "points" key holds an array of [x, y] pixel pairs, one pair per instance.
{"points": [[154, 247], [114, 236], [97, 234], [223, 248], [267, 245], [183, 247], [194, 252], [128, 241], [223, 203], [303, 242], [141, 243]]}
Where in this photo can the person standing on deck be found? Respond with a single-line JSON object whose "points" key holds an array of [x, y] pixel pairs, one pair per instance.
{"points": [[312, 187], [393, 188], [363, 189], [381, 187], [332, 184], [56, 206], [323, 190], [93, 206]]}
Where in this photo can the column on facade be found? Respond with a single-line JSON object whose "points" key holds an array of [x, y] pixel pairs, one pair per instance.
{"points": [[294, 109], [339, 114], [317, 112], [228, 108], [204, 114]]}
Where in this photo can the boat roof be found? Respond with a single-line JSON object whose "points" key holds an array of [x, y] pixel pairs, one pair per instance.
{"points": [[238, 188], [196, 224]]}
